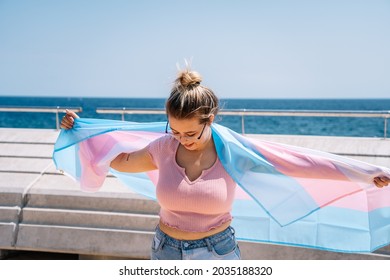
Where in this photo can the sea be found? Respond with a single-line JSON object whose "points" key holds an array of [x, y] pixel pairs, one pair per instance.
{"points": [[322, 126]]}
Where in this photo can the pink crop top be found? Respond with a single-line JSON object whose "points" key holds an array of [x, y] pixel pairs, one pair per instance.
{"points": [[195, 206]]}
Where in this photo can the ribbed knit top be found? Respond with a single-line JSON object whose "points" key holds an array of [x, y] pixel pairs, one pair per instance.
{"points": [[194, 206]]}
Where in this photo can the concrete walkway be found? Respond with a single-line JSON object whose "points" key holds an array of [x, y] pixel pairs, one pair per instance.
{"points": [[43, 210]]}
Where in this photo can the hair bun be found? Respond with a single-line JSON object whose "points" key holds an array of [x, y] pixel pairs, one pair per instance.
{"points": [[187, 78]]}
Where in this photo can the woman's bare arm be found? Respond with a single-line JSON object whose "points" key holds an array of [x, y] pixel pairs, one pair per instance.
{"points": [[138, 161]]}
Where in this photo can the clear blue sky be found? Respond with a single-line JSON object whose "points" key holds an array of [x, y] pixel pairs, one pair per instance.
{"points": [[242, 48]]}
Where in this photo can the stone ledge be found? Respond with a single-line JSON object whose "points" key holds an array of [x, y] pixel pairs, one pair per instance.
{"points": [[9, 214], [85, 241], [7, 235], [89, 219]]}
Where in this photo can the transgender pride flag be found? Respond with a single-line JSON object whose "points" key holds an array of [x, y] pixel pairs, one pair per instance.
{"points": [[287, 195]]}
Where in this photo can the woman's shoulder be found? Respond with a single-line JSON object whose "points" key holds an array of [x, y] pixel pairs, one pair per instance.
{"points": [[165, 139], [165, 143]]}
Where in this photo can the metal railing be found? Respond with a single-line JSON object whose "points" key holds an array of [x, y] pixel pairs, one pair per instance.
{"points": [[275, 113], [55, 110], [233, 112]]}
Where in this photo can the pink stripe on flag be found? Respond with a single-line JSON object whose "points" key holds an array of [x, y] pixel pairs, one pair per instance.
{"points": [[318, 176]]}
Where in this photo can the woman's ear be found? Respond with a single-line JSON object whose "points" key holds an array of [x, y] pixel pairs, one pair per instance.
{"points": [[211, 118]]}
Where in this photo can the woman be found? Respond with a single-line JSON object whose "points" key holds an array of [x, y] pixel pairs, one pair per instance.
{"points": [[195, 193], [194, 190]]}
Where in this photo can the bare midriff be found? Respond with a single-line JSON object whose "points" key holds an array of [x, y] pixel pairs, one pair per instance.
{"points": [[187, 235]]}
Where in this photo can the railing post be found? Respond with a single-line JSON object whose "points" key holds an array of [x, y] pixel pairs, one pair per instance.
{"points": [[57, 119], [123, 113], [385, 129], [243, 123]]}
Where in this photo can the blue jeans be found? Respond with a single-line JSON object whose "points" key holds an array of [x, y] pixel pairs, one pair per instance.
{"points": [[220, 246]]}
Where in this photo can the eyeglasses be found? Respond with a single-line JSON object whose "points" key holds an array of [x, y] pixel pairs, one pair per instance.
{"points": [[177, 135]]}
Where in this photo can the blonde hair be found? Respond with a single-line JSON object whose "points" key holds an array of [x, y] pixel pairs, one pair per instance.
{"points": [[190, 99]]}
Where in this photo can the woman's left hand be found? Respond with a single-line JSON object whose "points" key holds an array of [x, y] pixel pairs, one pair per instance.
{"points": [[381, 181]]}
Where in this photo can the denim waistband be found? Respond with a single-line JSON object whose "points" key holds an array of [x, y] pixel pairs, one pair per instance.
{"points": [[193, 244]]}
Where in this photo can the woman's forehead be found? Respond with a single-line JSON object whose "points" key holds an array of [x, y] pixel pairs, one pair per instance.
{"points": [[184, 125]]}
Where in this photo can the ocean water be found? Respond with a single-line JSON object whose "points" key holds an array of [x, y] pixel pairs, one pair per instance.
{"points": [[331, 126]]}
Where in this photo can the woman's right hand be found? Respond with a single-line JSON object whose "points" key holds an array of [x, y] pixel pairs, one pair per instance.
{"points": [[67, 121]]}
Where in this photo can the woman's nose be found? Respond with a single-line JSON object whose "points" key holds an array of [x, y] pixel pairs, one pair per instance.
{"points": [[182, 139]]}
